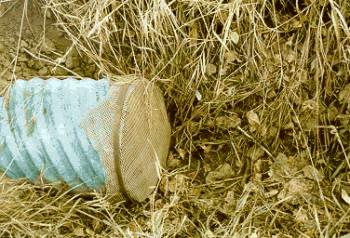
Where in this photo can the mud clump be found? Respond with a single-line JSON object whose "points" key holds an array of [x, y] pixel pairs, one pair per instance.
{"points": [[37, 48]]}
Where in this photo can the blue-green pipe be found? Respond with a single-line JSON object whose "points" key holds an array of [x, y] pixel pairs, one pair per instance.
{"points": [[40, 133]]}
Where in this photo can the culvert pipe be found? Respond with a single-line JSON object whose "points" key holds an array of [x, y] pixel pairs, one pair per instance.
{"points": [[94, 135]]}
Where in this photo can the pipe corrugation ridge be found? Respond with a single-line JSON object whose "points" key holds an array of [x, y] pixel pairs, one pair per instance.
{"points": [[70, 145], [6, 158], [40, 133], [81, 103], [17, 111], [13, 145], [54, 103]]}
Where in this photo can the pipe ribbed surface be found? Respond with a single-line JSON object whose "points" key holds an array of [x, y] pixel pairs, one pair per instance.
{"points": [[40, 136], [107, 136]]}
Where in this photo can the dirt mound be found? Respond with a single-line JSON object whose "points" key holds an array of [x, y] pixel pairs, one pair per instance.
{"points": [[32, 44], [258, 93]]}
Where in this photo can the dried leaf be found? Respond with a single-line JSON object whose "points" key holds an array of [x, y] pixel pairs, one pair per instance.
{"points": [[301, 216], [224, 70], [312, 173], [194, 32], [332, 112], [255, 153], [177, 183], [288, 126], [230, 56], [79, 231], [253, 120], [345, 196], [228, 122], [296, 189], [234, 37], [271, 193], [253, 235], [90, 232], [230, 197], [222, 16], [291, 57], [198, 95], [296, 23], [193, 35], [182, 153], [344, 95], [211, 69], [222, 172], [206, 148], [173, 162], [287, 167], [309, 105]]}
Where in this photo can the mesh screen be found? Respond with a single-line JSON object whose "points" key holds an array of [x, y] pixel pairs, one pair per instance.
{"points": [[131, 133]]}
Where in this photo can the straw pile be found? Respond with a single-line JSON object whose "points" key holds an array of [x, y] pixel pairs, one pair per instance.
{"points": [[258, 93]]}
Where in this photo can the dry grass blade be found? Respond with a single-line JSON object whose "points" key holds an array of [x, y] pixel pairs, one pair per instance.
{"points": [[259, 97]]}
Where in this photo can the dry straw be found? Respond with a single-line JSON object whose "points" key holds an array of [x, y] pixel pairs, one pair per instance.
{"points": [[258, 93]]}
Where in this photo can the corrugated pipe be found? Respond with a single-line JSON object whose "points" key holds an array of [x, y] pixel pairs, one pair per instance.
{"points": [[110, 137]]}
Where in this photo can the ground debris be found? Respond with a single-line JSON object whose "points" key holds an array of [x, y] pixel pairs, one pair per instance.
{"points": [[220, 173], [258, 96]]}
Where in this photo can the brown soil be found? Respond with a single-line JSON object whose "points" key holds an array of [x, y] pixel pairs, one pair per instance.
{"points": [[259, 98], [31, 45]]}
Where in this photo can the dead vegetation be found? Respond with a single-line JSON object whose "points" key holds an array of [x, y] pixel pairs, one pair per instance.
{"points": [[259, 98]]}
